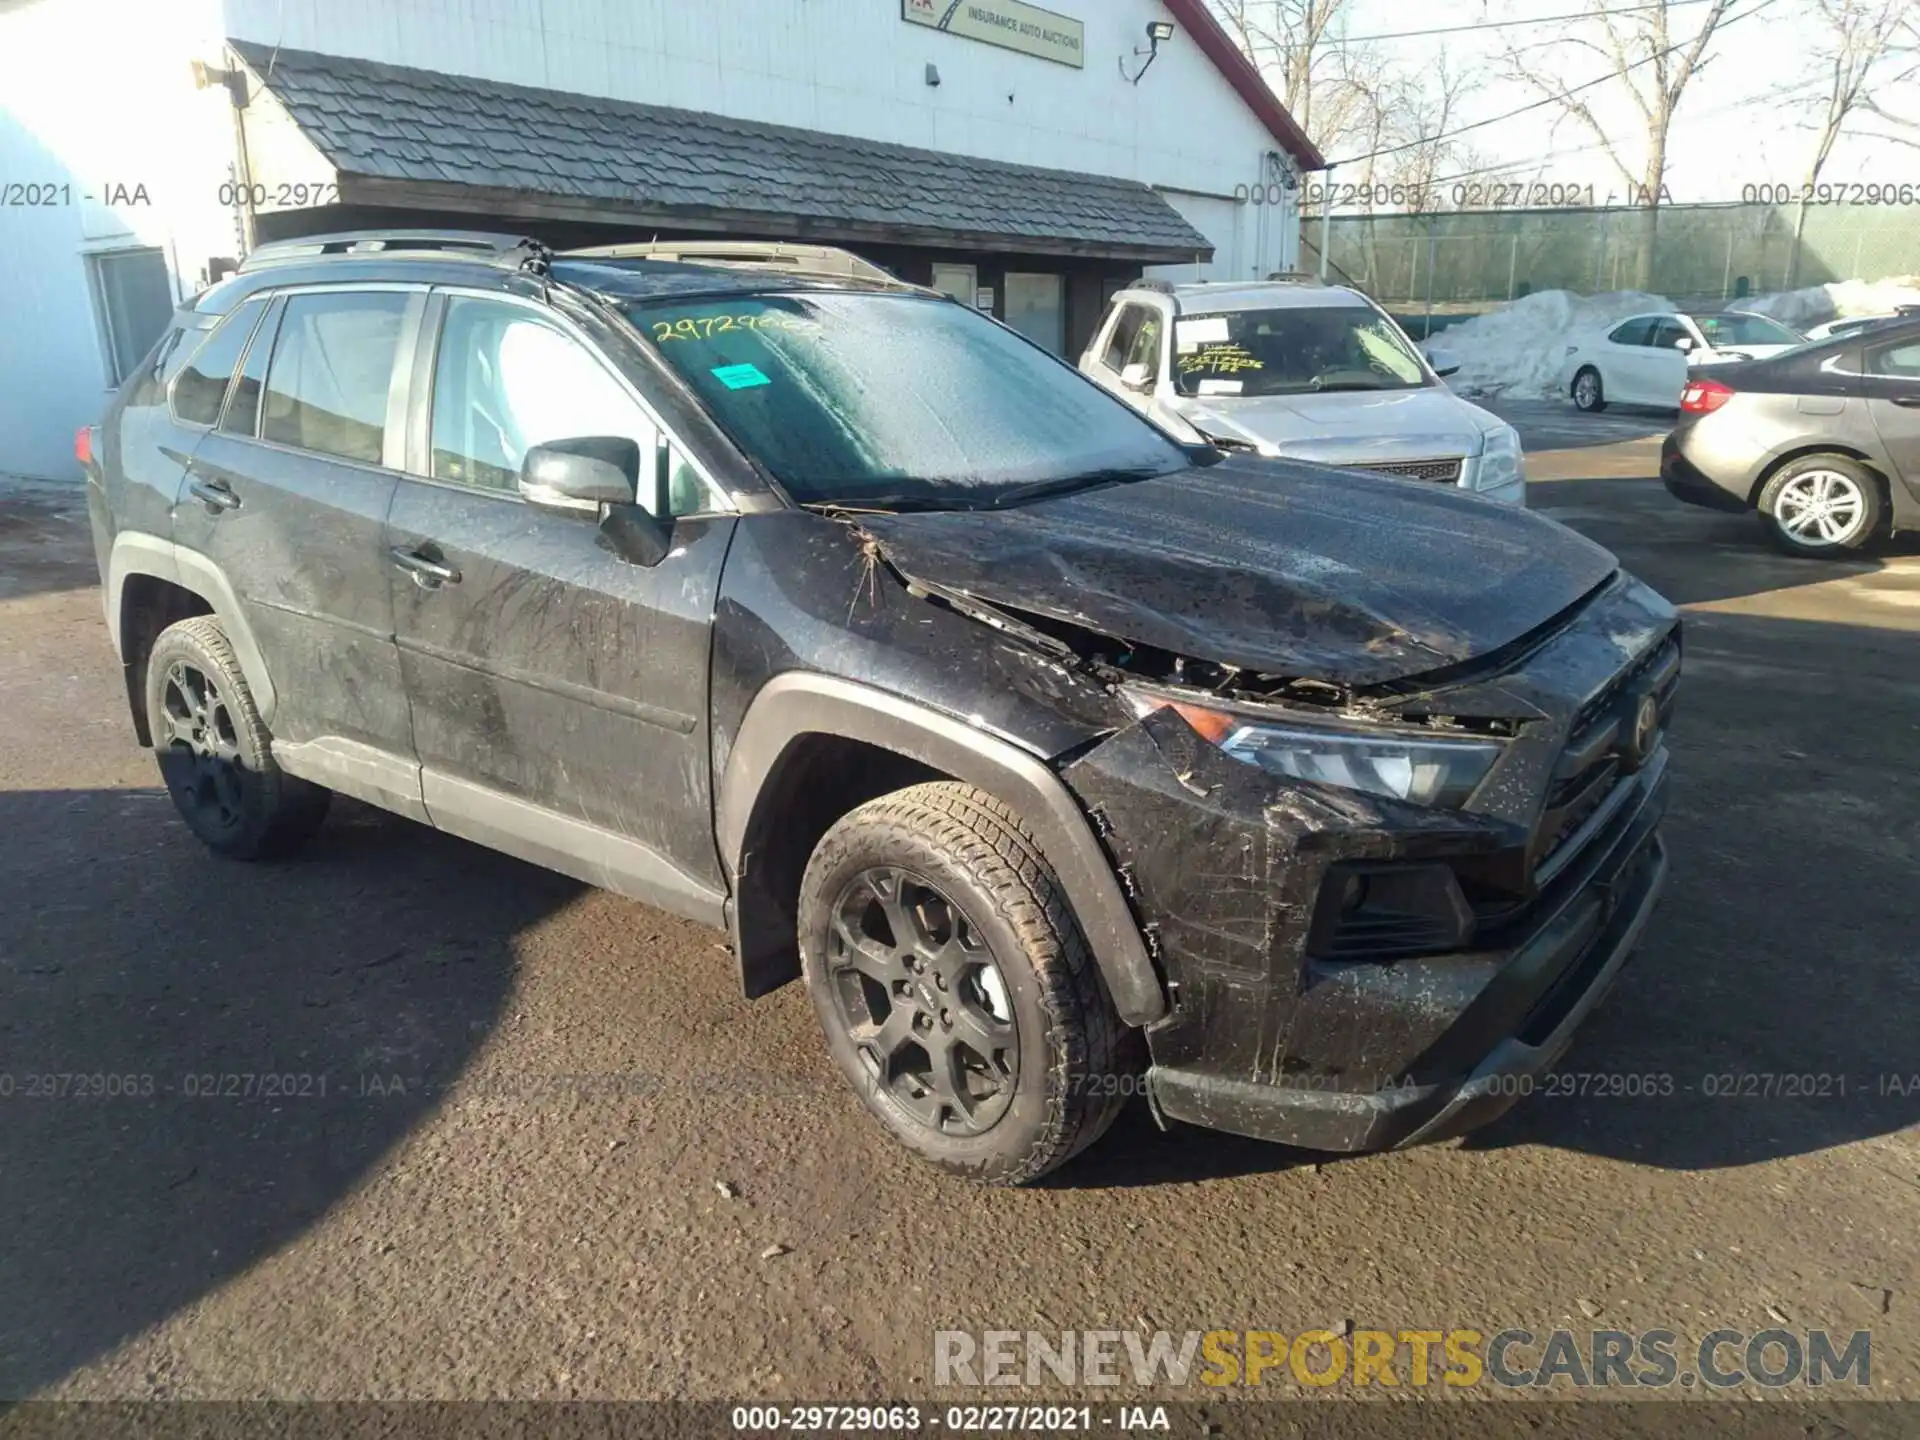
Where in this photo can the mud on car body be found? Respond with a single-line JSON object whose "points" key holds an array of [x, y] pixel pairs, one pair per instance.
{"points": [[1050, 752]]}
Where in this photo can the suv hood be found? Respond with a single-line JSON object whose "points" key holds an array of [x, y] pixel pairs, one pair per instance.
{"points": [[1346, 427], [1269, 565]]}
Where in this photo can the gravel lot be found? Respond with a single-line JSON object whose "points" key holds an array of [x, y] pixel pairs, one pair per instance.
{"points": [[491, 1171]]}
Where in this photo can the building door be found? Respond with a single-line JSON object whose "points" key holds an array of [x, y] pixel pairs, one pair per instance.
{"points": [[962, 282], [1036, 306]]}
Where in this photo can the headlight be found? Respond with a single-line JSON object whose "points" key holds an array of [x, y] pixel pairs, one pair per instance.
{"points": [[1500, 460], [1398, 765]]}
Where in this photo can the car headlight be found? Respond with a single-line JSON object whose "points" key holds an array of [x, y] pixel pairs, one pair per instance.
{"points": [[1440, 771], [1499, 460]]}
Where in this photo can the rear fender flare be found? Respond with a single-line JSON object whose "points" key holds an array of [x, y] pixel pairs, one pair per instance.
{"points": [[136, 554]]}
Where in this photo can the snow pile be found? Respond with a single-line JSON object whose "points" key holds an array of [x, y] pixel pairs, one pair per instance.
{"points": [[1820, 303], [1520, 349]]}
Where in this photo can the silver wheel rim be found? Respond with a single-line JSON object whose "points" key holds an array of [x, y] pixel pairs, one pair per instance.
{"points": [[1586, 389], [1821, 507]]}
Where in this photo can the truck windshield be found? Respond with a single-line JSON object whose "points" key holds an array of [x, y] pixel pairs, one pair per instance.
{"points": [[898, 401], [1293, 351]]}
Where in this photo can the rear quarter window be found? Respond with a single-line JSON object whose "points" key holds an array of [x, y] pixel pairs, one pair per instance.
{"points": [[201, 386]]}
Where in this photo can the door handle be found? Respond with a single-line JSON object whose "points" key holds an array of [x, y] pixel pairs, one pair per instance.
{"points": [[424, 570], [1907, 402], [216, 495]]}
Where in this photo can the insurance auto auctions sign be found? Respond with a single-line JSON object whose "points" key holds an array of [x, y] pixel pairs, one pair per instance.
{"points": [[1006, 23]]}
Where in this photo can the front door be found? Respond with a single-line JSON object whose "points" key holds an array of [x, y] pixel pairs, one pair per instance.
{"points": [[559, 693], [287, 495]]}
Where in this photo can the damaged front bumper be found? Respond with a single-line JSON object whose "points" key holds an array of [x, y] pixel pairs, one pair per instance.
{"points": [[1276, 1035]]}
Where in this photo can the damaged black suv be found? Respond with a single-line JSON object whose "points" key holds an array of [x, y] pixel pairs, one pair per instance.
{"points": [[1065, 762]]}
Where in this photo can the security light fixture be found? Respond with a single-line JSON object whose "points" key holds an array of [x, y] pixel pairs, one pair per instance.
{"points": [[1157, 30]]}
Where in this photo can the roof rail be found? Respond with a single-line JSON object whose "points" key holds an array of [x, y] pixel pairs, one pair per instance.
{"points": [[792, 258], [520, 251]]}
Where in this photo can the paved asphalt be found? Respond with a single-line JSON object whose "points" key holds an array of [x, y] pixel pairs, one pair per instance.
{"points": [[493, 1167]]}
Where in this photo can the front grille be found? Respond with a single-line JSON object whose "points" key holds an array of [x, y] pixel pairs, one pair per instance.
{"points": [[1598, 756], [1443, 472]]}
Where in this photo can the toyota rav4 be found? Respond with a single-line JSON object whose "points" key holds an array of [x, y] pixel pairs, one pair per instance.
{"points": [[1061, 760]]}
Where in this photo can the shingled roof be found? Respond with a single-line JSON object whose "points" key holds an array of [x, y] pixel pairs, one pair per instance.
{"points": [[593, 158]]}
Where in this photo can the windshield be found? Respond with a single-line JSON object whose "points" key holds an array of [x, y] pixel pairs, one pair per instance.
{"points": [[898, 401], [1292, 352], [1745, 330]]}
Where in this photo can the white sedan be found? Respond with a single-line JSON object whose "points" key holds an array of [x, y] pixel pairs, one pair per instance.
{"points": [[1644, 359]]}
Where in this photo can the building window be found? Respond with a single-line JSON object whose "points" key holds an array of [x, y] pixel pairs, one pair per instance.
{"points": [[133, 296]]}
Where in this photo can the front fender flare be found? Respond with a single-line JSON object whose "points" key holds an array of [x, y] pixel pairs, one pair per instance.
{"points": [[798, 703]]}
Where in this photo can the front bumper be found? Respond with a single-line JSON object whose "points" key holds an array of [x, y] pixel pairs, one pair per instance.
{"points": [[1566, 968], [1278, 1030]]}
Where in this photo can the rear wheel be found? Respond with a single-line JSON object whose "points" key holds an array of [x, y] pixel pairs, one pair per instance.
{"points": [[214, 750], [1589, 393], [955, 989], [1822, 505]]}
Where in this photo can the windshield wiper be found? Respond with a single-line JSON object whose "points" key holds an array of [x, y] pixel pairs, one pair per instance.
{"points": [[1072, 484]]}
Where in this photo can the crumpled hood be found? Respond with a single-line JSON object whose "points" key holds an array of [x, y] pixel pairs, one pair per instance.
{"points": [[1346, 427], [1270, 565]]}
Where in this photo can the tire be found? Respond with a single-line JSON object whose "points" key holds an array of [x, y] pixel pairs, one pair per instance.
{"points": [[1038, 1061], [215, 753], [1591, 398], [1821, 506]]}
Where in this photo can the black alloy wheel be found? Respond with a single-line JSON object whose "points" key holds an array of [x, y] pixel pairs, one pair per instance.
{"points": [[919, 994], [200, 755]]}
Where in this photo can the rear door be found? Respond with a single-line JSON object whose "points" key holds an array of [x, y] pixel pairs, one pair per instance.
{"points": [[559, 693], [1892, 387], [287, 494]]}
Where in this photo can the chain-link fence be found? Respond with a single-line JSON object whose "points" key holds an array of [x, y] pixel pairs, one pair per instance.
{"points": [[1466, 260]]}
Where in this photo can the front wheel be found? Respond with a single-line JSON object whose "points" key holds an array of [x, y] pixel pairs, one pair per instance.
{"points": [[215, 754], [1821, 506], [1589, 394], [955, 989]]}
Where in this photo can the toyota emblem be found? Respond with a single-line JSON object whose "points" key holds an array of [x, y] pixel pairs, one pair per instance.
{"points": [[1646, 732]]}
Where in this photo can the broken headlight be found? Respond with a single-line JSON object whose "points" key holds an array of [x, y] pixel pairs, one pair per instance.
{"points": [[1435, 770]]}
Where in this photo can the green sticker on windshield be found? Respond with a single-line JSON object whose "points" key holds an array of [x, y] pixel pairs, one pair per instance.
{"points": [[740, 377]]}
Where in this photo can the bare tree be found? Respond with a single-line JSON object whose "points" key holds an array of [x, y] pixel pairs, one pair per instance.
{"points": [[1645, 63], [1325, 82], [1861, 38], [1426, 105], [1901, 127]]}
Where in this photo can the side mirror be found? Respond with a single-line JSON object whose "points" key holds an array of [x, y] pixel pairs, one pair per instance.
{"points": [[1684, 343], [1137, 377], [579, 476], [1444, 363]]}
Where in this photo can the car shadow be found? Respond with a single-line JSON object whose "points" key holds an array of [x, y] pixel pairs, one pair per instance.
{"points": [[198, 1059]]}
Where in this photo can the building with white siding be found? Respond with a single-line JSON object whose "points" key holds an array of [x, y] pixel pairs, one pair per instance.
{"points": [[1029, 160]]}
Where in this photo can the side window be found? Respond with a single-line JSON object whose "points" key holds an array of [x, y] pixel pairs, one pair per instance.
{"points": [[202, 385], [243, 410], [1634, 332], [331, 373], [1666, 334], [506, 380], [1125, 330], [1896, 362], [1146, 345]]}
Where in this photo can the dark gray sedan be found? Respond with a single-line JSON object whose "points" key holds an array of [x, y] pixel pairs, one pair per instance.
{"points": [[1823, 441]]}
